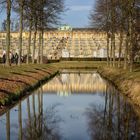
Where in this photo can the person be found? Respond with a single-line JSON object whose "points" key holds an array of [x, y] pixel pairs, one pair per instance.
{"points": [[16, 58], [4, 57], [22, 59], [10, 57]]}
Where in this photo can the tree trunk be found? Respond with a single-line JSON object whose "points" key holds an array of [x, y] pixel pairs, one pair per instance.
{"points": [[42, 44], [122, 7], [113, 46], [107, 49], [131, 46], [108, 35], [20, 31], [8, 32], [111, 54], [34, 47], [131, 32], [39, 48], [29, 42], [120, 48], [125, 53], [113, 30]]}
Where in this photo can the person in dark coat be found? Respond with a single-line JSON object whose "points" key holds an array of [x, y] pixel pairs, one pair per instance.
{"points": [[16, 58], [4, 58]]}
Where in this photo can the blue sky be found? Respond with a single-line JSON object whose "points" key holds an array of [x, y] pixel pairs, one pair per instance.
{"points": [[78, 13], [76, 16]]}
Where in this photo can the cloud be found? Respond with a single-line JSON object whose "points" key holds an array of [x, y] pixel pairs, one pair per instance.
{"points": [[80, 8]]}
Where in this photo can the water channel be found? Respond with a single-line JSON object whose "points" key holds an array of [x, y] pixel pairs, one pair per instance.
{"points": [[74, 105]]}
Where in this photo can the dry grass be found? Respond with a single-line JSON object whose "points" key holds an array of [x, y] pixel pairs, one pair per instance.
{"points": [[127, 82], [14, 80]]}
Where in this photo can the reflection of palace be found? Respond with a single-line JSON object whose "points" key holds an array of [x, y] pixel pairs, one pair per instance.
{"points": [[43, 117], [68, 83]]}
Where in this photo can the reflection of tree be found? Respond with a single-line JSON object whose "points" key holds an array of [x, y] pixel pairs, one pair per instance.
{"points": [[39, 125], [95, 123], [42, 126], [20, 120], [115, 120], [8, 125]]}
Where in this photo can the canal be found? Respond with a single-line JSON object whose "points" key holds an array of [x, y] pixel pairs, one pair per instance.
{"points": [[74, 105]]}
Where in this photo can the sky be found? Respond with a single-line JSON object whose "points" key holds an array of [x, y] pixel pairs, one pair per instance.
{"points": [[78, 12], [76, 15]]}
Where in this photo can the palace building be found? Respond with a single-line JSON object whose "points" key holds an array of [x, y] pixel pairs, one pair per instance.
{"points": [[64, 42]]}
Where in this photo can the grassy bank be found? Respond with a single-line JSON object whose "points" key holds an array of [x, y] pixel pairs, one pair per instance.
{"points": [[127, 82], [79, 64], [15, 82]]}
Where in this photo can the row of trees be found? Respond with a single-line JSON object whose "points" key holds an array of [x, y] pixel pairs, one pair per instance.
{"points": [[34, 16], [119, 17]]}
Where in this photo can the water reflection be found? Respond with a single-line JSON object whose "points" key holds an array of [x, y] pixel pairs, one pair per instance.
{"points": [[76, 81], [8, 125], [41, 125], [93, 111], [38, 125], [115, 120]]}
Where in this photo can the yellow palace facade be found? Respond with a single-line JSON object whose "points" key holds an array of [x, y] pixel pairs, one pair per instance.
{"points": [[74, 43]]}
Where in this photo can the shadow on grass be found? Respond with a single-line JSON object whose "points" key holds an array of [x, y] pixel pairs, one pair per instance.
{"points": [[24, 75], [18, 81], [6, 92], [43, 70], [30, 71], [137, 70]]}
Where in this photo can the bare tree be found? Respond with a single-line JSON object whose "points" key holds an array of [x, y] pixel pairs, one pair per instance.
{"points": [[100, 19], [3, 25], [121, 17], [49, 15], [113, 30], [21, 6], [8, 2]]}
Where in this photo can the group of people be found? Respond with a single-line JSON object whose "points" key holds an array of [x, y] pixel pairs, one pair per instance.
{"points": [[13, 58]]}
